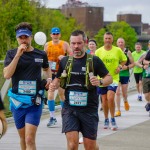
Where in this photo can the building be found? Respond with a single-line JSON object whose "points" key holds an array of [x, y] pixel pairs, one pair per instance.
{"points": [[90, 17], [133, 19]]}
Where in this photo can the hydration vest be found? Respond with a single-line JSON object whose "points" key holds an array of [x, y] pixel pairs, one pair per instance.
{"points": [[126, 53], [65, 79]]}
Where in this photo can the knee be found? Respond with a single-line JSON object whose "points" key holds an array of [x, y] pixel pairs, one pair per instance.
{"points": [[29, 140], [72, 145], [118, 93]]}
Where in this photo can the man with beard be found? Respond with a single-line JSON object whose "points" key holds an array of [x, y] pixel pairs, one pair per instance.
{"points": [[80, 111], [24, 65]]}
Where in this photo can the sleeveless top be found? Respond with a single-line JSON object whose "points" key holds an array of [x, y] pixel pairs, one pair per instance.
{"points": [[125, 73], [53, 52]]}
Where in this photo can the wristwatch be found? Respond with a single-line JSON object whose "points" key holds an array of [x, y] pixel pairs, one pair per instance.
{"points": [[101, 82]]}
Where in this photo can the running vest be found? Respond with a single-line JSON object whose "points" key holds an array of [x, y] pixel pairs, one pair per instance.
{"points": [[53, 52], [125, 72], [66, 75]]}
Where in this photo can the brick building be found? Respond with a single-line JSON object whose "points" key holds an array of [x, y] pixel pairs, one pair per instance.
{"points": [[133, 19], [90, 17]]}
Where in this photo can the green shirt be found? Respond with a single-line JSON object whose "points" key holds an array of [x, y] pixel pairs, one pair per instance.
{"points": [[111, 59], [136, 57], [124, 73]]}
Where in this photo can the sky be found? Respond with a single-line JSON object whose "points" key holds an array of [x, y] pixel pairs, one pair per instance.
{"points": [[114, 7]]}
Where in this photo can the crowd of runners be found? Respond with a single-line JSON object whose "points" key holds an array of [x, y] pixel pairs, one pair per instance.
{"points": [[84, 75]]}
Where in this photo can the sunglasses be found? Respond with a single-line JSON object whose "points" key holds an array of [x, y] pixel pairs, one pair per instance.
{"points": [[55, 33]]}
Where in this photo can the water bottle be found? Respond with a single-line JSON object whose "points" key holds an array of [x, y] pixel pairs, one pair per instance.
{"points": [[63, 79], [64, 74], [91, 74], [38, 99]]}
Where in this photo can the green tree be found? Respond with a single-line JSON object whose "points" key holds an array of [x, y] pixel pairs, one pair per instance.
{"points": [[43, 19], [118, 29]]}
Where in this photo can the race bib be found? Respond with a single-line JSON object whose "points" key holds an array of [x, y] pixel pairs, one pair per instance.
{"points": [[78, 98], [52, 65], [27, 87]]}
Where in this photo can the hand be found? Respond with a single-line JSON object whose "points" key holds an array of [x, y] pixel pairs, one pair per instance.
{"points": [[52, 87], [49, 80], [117, 70], [124, 67], [21, 49], [60, 57], [94, 81], [145, 66]]}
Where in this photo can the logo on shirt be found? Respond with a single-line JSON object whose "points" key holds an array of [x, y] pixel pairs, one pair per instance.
{"points": [[83, 69], [38, 60]]}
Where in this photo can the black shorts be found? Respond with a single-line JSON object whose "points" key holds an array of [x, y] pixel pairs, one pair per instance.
{"points": [[124, 80], [84, 122], [138, 77]]}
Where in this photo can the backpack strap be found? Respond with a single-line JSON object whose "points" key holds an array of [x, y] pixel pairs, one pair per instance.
{"points": [[68, 68], [89, 68]]}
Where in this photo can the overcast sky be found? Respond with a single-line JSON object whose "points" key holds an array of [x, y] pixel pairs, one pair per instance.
{"points": [[114, 7]]}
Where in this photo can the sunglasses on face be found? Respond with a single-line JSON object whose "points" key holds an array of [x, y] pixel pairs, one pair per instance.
{"points": [[55, 33]]}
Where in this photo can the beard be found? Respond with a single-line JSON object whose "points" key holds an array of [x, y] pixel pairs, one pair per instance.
{"points": [[79, 53]]}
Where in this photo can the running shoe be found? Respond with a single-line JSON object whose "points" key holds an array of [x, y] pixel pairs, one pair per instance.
{"points": [[113, 124], [147, 106], [106, 124], [81, 140], [118, 113], [139, 98], [126, 105], [52, 122], [101, 109]]}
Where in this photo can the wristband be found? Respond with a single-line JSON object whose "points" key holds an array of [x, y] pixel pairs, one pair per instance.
{"points": [[120, 67], [49, 79], [101, 82]]}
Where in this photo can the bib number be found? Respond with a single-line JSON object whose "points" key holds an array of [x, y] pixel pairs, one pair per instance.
{"points": [[78, 98], [52, 65], [27, 87]]}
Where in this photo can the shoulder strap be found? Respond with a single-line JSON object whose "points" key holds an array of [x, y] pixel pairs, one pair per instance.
{"points": [[68, 68], [126, 51], [89, 68]]}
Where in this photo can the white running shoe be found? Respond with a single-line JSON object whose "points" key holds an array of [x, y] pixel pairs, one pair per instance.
{"points": [[81, 140]]}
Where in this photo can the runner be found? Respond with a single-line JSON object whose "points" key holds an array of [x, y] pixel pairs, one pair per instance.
{"points": [[114, 58], [56, 50], [81, 104], [137, 70], [24, 64], [124, 78]]}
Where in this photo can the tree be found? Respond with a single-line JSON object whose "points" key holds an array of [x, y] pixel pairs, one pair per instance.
{"points": [[119, 29], [43, 19]]}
